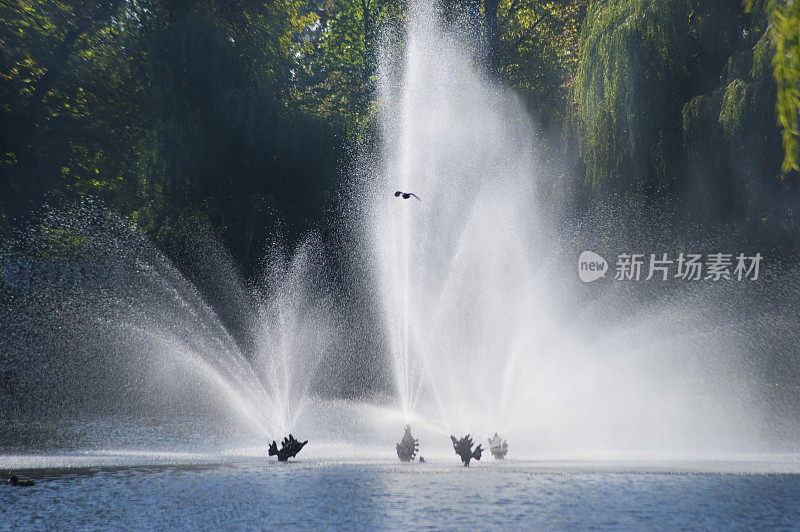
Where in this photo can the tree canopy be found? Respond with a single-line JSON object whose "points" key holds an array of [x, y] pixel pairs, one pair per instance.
{"points": [[241, 114]]}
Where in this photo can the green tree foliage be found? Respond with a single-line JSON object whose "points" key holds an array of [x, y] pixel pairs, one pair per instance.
{"points": [[238, 113], [73, 116], [675, 105], [784, 18], [539, 51], [732, 146], [635, 53], [230, 145], [337, 59], [169, 110]]}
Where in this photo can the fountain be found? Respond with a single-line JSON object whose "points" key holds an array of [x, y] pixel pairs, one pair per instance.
{"points": [[154, 346], [487, 328], [485, 324]]}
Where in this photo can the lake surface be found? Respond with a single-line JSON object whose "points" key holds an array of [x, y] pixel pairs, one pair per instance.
{"points": [[262, 494]]}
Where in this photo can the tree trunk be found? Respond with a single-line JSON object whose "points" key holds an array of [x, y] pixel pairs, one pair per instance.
{"points": [[492, 35]]}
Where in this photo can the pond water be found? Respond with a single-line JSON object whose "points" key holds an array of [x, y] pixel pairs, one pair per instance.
{"points": [[262, 494]]}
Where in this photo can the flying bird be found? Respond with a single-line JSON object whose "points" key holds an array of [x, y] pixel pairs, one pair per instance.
{"points": [[405, 195]]}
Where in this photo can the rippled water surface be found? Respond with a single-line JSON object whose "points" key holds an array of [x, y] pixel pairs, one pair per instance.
{"points": [[307, 494]]}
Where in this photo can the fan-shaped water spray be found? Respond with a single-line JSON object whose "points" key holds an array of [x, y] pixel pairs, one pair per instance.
{"points": [[295, 330], [478, 292], [150, 343]]}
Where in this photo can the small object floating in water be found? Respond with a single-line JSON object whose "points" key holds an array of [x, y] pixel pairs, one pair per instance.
{"points": [[16, 481], [463, 448], [405, 195], [289, 448], [408, 446], [498, 446], [421, 460]]}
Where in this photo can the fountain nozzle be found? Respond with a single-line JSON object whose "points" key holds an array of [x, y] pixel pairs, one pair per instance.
{"points": [[408, 446], [289, 448], [498, 447], [463, 448]]}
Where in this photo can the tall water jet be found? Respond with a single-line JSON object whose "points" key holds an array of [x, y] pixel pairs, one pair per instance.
{"points": [[447, 150], [486, 328]]}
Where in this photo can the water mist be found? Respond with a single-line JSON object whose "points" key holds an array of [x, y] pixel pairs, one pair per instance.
{"points": [[484, 326]]}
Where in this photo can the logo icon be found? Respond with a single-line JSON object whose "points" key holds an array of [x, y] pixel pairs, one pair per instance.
{"points": [[591, 266]]}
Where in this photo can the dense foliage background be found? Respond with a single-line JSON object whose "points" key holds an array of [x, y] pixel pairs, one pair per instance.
{"points": [[241, 115]]}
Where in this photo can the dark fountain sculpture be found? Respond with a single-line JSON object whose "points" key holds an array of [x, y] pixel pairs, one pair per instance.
{"points": [[408, 446], [289, 448], [498, 446], [463, 448]]}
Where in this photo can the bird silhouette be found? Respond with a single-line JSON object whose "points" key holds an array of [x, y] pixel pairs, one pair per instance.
{"points": [[405, 195]]}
